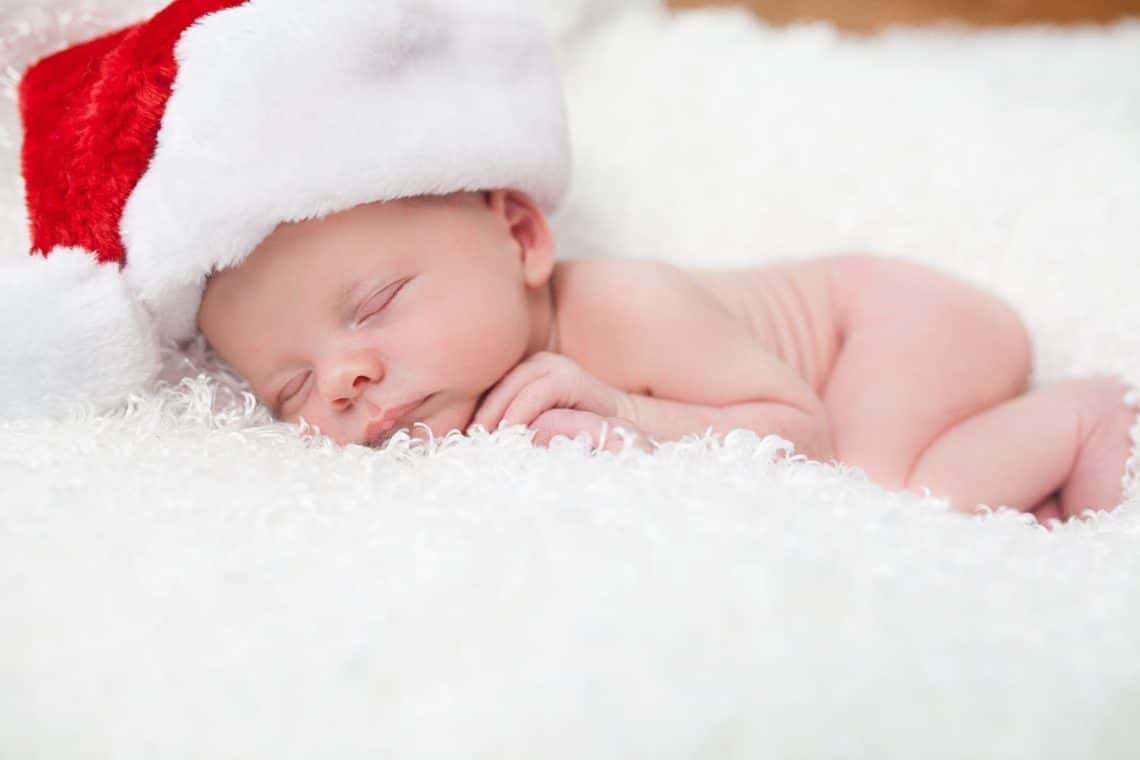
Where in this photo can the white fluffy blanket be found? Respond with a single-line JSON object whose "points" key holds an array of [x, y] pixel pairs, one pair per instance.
{"points": [[187, 579]]}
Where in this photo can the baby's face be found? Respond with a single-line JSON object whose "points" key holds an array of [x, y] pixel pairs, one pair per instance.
{"points": [[346, 319]]}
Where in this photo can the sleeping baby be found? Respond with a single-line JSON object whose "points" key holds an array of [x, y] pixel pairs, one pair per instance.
{"points": [[350, 203], [451, 311]]}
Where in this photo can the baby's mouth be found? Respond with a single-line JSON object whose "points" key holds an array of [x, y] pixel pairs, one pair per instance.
{"points": [[380, 430]]}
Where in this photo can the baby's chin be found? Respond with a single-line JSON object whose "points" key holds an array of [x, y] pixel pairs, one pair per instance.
{"points": [[456, 416]]}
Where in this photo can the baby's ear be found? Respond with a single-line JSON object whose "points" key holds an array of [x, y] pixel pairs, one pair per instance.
{"points": [[528, 228]]}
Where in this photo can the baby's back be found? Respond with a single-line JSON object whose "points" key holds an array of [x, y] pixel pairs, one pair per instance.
{"points": [[789, 307], [649, 327]]}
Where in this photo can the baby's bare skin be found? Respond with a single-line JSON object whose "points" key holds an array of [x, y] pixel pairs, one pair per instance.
{"points": [[443, 312], [922, 376]]}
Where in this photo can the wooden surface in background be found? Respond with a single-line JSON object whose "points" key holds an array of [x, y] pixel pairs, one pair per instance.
{"points": [[869, 15]]}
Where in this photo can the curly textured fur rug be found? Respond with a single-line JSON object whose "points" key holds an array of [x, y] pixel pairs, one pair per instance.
{"points": [[187, 579]]}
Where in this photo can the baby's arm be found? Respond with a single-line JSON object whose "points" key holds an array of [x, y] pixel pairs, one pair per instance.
{"points": [[701, 367], [665, 420]]}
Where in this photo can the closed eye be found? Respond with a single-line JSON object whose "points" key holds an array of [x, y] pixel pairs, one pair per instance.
{"points": [[292, 389], [376, 303]]}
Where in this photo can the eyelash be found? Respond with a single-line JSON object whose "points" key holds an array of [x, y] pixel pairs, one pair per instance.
{"points": [[387, 301], [286, 398]]}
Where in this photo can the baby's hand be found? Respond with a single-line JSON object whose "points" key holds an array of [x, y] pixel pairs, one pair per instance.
{"points": [[601, 430], [543, 382]]}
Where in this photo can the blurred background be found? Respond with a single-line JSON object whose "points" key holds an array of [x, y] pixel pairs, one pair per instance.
{"points": [[871, 15]]}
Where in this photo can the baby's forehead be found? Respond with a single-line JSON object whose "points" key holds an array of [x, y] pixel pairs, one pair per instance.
{"points": [[335, 247], [369, 220]]}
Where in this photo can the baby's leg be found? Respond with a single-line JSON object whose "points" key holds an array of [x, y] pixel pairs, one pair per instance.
{"points": [[921, 351], [1055, 451]]}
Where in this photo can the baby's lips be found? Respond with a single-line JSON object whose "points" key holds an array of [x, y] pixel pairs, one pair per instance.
{"points": [[392, 417]]}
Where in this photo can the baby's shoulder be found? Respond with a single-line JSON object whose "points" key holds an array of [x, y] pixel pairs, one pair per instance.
{"points": [[594, 292], [651, 293], [618, 316], [580, 277], [624, 305]]}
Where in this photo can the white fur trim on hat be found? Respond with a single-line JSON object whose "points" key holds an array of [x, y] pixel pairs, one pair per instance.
{"points": [[78, 331]]}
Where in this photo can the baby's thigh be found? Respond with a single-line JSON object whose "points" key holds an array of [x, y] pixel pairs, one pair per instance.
{"points": [[920, 352]]}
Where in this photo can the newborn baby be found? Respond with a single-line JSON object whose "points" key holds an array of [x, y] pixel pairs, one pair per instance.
{"points": [[451, 311]]}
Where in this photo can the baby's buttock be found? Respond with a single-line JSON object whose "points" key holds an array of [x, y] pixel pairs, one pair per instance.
{"points": [[795, 309]]}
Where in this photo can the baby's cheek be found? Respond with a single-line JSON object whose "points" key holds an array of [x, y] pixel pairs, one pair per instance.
{"points": [[455, 416], [480, 354], [311, 414]]}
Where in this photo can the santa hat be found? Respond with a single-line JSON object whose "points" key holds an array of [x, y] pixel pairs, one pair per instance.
{"points": [[157, 154]]}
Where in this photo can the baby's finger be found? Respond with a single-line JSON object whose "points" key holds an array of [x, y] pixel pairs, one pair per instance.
{"points": [[490, 411], [567, 422], [545, 393]]}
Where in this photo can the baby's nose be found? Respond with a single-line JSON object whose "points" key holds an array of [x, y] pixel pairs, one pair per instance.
{"points": [[340, 401], [360, 382], [341, 397], [350, 378]]}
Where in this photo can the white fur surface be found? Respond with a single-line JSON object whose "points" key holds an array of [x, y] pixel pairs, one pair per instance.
{"points": [[188, 579]]}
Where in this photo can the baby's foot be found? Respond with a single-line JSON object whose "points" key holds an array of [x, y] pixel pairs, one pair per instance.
{"points": [[1096, 480]]}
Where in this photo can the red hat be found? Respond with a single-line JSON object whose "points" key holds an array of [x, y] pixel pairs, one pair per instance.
{"points": [[165, 151]]}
